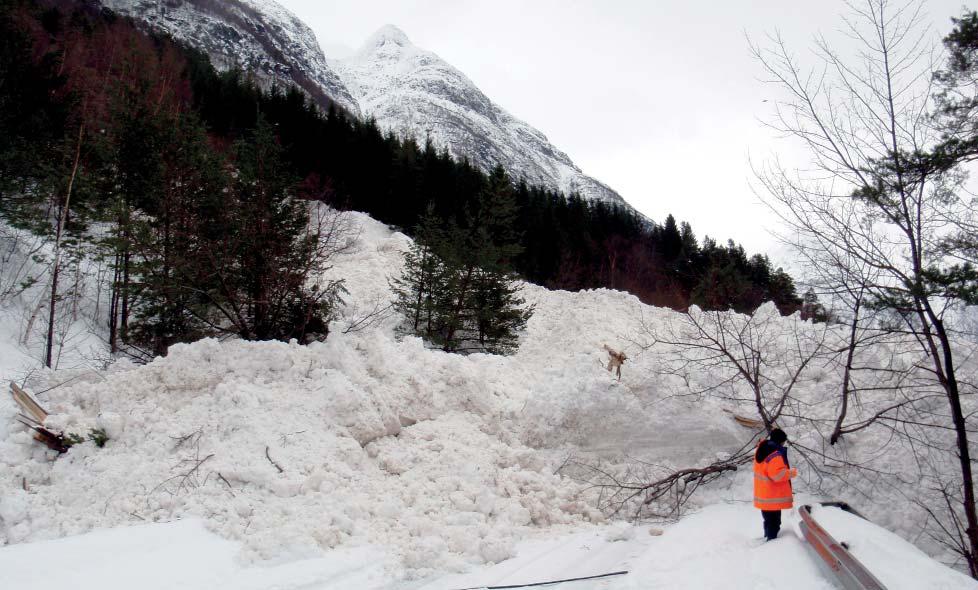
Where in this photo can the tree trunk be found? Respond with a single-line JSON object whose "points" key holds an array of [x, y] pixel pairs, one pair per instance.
{"points": [[124, 319], [62, 218], [455, 318], [847, 374], [114, 306], [964, 452]]}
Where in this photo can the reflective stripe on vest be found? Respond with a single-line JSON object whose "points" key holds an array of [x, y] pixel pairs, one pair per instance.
{"points": [[772, 487]]}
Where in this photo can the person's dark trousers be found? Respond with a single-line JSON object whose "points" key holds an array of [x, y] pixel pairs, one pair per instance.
{"points": [[772, 523]]}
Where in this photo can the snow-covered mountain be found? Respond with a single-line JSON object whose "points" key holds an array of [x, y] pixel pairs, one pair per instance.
{"points": [[407, 89], [256, 35], [416, 93]]}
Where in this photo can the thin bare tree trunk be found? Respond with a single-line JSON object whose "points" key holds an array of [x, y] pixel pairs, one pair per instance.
{"points": [[847, 373], [114, 308], [62, 217], [124, 323]]}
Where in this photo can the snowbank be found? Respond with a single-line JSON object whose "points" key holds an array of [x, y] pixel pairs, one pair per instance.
{"points": [[894, 561], [294, 449], [718, 547]]}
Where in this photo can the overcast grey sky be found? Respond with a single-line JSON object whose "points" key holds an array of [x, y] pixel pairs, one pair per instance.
{"points": [[660, 100]]}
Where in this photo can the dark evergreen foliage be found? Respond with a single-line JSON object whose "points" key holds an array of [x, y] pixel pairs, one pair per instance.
{"points": [[458, 288]]}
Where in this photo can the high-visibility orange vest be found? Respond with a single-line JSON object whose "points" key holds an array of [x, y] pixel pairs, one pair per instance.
{"points": [[772, 484]]}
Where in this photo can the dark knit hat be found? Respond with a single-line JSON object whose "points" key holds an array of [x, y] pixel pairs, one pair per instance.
{"points": [[777, 435]]}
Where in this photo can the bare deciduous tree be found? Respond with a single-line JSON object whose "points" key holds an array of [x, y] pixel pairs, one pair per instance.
{"points": [[757, 358], [870, 207]]}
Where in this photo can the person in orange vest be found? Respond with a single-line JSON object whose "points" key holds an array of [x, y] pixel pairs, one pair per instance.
{"points": [[772, 481]]}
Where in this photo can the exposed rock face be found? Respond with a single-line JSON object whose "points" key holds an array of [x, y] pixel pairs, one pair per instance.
{"points": [[255, 35]]}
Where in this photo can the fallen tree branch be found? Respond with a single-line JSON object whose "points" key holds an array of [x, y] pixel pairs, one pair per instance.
{"points": [[226, 482], [269, 457]]}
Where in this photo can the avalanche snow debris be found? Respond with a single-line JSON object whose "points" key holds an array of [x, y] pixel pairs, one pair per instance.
{"points": [[445, 461]]}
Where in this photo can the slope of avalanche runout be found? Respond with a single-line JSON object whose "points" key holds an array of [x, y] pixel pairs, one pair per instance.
{"points": [[444, 463]]}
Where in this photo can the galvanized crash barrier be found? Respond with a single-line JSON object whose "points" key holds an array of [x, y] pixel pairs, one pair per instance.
{"points": [[852, 574]]}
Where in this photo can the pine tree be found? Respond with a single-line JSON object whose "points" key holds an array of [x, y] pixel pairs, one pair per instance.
{"points": [[273, 251], [458, 288], [416, 288], [170, 247], [499, 312]]}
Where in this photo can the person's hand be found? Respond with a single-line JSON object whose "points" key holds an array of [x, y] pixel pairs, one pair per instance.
{"points": [[792, 473]]}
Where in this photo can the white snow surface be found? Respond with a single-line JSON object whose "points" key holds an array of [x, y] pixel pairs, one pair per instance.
{"points": [[372, 461], [417, 94], [715, 548], [178, 555], [894, 561]]}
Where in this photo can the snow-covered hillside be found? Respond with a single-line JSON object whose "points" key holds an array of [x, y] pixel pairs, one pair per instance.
{"points": [[406, 89], [372, 461], [418, 94], [258, 36]]}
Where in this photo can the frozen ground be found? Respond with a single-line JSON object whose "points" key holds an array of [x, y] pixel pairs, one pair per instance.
{"points": [[371, 461]]}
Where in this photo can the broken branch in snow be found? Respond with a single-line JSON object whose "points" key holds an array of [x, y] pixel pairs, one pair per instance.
{"points": [[189, 479], [226, 482], [52, 440], [377, 313], [615, 360], [269, 457], [649, 490], [192, 438], [27, 403]]}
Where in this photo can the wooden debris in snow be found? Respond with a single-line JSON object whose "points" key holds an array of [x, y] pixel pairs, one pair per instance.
{"points": [[27, 403]]}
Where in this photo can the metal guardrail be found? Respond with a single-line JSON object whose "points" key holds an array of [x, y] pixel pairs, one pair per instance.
{"points": [[852, 574]]}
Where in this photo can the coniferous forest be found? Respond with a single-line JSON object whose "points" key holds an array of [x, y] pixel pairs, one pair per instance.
{"points": [[194, 185]]}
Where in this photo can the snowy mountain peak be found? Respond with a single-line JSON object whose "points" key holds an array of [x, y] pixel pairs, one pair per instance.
{"points": [[386, 36], [407, 89], [416, 93]]}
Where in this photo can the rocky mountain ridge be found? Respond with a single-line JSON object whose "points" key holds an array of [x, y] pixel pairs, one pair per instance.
{"points": [[416, 93]]}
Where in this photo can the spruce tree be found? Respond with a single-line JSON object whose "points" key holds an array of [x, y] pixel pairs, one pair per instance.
{"points": [[417, 287], [499, 311], [458, 288]]}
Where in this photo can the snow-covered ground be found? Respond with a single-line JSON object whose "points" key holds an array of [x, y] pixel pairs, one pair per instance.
{"points": [[714, 548], [371, 461]]}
